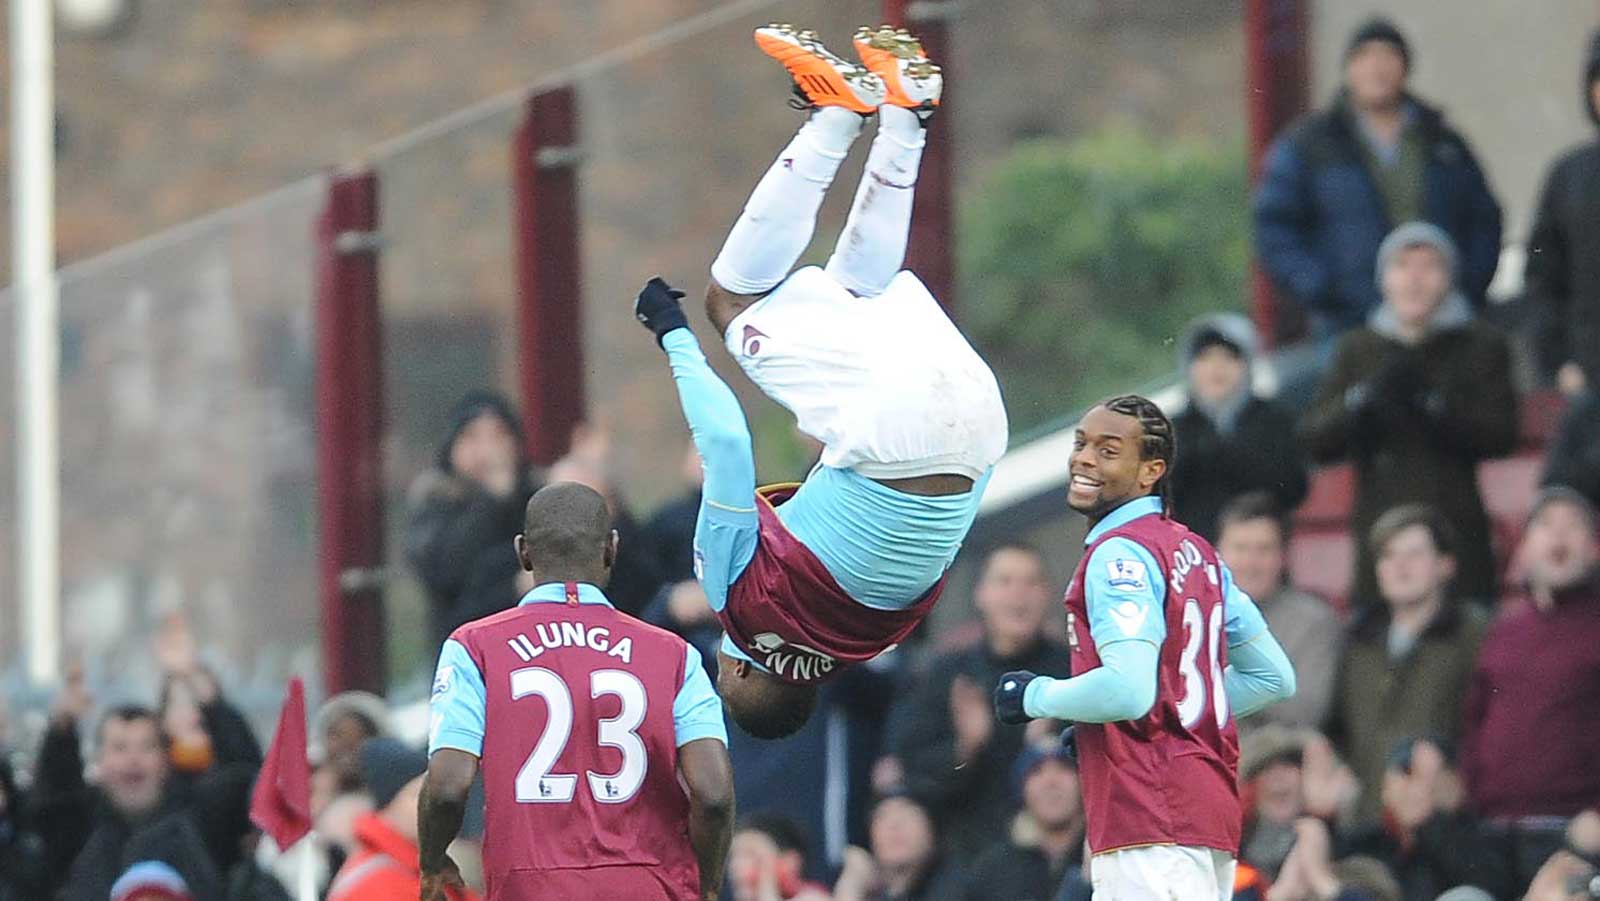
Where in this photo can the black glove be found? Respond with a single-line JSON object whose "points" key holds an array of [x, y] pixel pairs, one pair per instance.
{"points": [[658, 308], [1069, 743], [1008, 697]]}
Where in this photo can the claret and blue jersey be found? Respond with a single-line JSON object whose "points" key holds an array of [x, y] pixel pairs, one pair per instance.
{"points": [[457, 709]]}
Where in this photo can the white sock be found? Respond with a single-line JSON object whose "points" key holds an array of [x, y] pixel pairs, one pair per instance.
{"points": [[872, 246], [781, 214]]}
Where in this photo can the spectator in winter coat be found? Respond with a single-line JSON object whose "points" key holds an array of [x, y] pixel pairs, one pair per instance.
{"points": [[385, 864], [1563, 269], [24, 869], [1341, 179], [1254, 542], [944, 733], [680, 604], [1229, 441], [1416, 398], [1406, 664], [465, 511], [1573, 459], [1043, 856], [1538, 678], [133, 814]]}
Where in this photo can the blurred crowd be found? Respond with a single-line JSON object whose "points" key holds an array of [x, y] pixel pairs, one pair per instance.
{"points": [[1444, 739]]}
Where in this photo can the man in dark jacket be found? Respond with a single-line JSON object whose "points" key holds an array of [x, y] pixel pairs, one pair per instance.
{"points": [[954, 753], [1406, 664], [133, 814], [1229, 441], [24, 874], [1563, 270], [1416, 399], [1340, 180], [1538, 676], [465, 511]]}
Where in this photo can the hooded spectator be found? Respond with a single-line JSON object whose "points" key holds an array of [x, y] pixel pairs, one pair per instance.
{"points": [[944, 733], [1228, 440], [465, 512], [24, 869], [344, 723], [133, 814], [1407, 663], [385, 865], [1427, 838], [767, 861], [1538, 677], [1342, 178], [1562, 278], [1043, 856], [906, 862], [1254, 542], [1416, 399]]}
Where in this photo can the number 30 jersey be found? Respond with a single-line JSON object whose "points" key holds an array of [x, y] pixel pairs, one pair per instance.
{"points": [[1171, 776], [577, 712]]}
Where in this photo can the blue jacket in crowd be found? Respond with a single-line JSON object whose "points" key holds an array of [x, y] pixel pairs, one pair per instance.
{"points": [[1319, 216]]}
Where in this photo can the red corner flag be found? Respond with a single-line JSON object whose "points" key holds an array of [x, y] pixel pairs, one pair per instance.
{"points": [[281, 802]]}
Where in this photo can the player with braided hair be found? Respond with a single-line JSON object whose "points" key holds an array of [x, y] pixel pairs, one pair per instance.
{"points": [[1166, 652]]}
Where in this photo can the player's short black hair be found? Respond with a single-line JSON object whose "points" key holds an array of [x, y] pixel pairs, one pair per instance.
{"points": [[1398, 519], [132, 713], [1251, 506], [786, 832], [778, 710], [1158, 441], [566, 524]]}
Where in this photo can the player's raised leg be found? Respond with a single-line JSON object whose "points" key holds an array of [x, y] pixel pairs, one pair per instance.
{"points": [[780, 216], [872, 246]]}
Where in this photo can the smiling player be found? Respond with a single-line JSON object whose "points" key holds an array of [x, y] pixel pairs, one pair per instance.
{"points": [[1166, 651]]}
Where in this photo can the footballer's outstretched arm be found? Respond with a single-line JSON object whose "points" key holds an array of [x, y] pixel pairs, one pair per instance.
{"points": [[1259, 673]]}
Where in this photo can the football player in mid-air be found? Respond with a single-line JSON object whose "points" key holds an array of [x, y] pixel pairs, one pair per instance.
{"points": [[809, 579], [1166, 651]]}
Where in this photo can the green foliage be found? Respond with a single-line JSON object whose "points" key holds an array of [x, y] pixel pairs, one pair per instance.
{"points": [[1082, 261]]}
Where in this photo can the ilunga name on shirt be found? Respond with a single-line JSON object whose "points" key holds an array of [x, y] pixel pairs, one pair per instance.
{"points": [[556, 635]]}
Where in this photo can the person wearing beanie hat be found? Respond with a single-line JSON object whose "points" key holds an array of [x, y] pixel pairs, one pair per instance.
{"points": [[1042, 856], [1562, 279], [1416, 399], [150, 880], [464, 511], [386, 863], [1339, 180], [1537, 678], [1229, 440]]}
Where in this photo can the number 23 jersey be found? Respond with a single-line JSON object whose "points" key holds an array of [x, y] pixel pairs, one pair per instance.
{"points": [[577, 712], [1171, 776]]}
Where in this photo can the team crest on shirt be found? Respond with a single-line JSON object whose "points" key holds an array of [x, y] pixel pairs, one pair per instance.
{"points": [[1125, 575], [753, 339]]}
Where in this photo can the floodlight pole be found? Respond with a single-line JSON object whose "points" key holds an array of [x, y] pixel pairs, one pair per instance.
{"points": [[37, 337]]}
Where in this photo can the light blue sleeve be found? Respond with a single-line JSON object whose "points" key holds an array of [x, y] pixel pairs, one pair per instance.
{"points": [[1125, 591], [1122, 687], [697, 711], [727, 526], [456, 709], [1259, 674], [1244, 620]]}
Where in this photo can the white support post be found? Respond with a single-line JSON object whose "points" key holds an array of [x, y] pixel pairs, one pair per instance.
{"points": [[37, 335]]}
